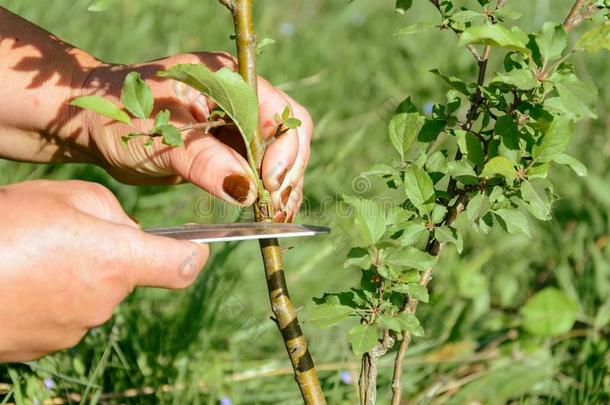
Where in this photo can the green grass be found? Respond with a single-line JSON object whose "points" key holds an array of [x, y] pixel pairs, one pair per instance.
{"points": [[215, 339]]}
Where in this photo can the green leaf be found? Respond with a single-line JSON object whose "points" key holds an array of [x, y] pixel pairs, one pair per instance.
{"points": [[415, 28], [471, 147], [575, 164], [137, 96], [363, 338], [522, 79], [514, 220], [286, 113], [507, 128], [555, 140], [369, 218], [419, 189], [403, 130], [388, 322], [410, 258], [552, 41], [403, 5], [171, 135], [101, 106], [446, 234], [462, 171], [495, 35], [477, 207], [507, 14], [549, 312], [324, 315], [292, 123], [597, 38], [363, 261], [228, 90], [410, 323], [453, 81], [411, 233], [161, 119], [536, 205], [438, 214], [431, 130], [263, 43], [465, 16], [502, 166], [577, 97], [414, 290]]}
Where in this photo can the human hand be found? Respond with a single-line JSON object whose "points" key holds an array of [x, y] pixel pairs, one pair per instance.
{"points": [[70, 255], [213, 161]]}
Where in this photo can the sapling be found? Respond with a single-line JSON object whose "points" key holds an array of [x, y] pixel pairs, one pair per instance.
{"points": [[484, 154], [235, 95]]}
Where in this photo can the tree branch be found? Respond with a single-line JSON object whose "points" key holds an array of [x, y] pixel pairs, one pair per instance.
{"points": [[284, 312], [568, 23], [433, 247]]}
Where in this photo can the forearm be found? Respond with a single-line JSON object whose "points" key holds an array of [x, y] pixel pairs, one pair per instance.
{"points": [[39, 75]]}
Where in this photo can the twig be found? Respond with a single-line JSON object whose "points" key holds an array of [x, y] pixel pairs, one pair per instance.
{"points": [[206, 126], [284, 312], [473, 51], [434, 247], [568, 23], [228, 4]]}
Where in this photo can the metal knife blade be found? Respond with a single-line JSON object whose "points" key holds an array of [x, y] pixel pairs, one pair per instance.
{"points": [[206, 233]]}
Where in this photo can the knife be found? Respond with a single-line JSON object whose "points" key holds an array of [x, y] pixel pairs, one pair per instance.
{"points": [[206, 233]]}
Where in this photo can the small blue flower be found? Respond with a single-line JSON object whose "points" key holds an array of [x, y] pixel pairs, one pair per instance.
{"points": [[49, 383], [428, 107], [346, 377], [35, 402], [225, 401], [287, 29], [358, 19]]}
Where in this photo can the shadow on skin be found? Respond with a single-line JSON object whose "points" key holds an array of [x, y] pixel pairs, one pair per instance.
{"points": [[57, 61]]}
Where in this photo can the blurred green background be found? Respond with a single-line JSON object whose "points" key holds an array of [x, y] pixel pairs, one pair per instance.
{"points": [[214, 342]]}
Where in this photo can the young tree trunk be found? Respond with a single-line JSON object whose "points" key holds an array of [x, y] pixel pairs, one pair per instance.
{"points": [[281, 305]]}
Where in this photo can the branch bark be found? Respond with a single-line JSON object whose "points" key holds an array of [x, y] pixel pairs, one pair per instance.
{"points": [[568, 23], [284, 312]]}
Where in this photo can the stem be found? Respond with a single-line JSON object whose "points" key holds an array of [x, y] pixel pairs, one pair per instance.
{"points": [[434, 247], [473, 51], [568, 23], [285, 315]]}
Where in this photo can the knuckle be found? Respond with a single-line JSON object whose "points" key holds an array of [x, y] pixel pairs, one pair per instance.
{"points": [[227, 59]]}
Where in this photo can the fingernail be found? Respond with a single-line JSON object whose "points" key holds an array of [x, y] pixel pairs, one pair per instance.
{"points": [[285, 194], [237, 186], [280, 217]]}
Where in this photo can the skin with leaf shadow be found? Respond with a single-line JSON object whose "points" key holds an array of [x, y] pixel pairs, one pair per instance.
{"points": [[46, 74], [69, 253]]}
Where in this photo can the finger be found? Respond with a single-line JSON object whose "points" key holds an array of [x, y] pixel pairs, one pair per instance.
{"points": [[294, 176], [291, 201], [281, 154], [279, 159], [157, 261], [213, 166], [294, 202]]}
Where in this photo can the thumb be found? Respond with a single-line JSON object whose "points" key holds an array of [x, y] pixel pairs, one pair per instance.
{"points": [[156, 261]]}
